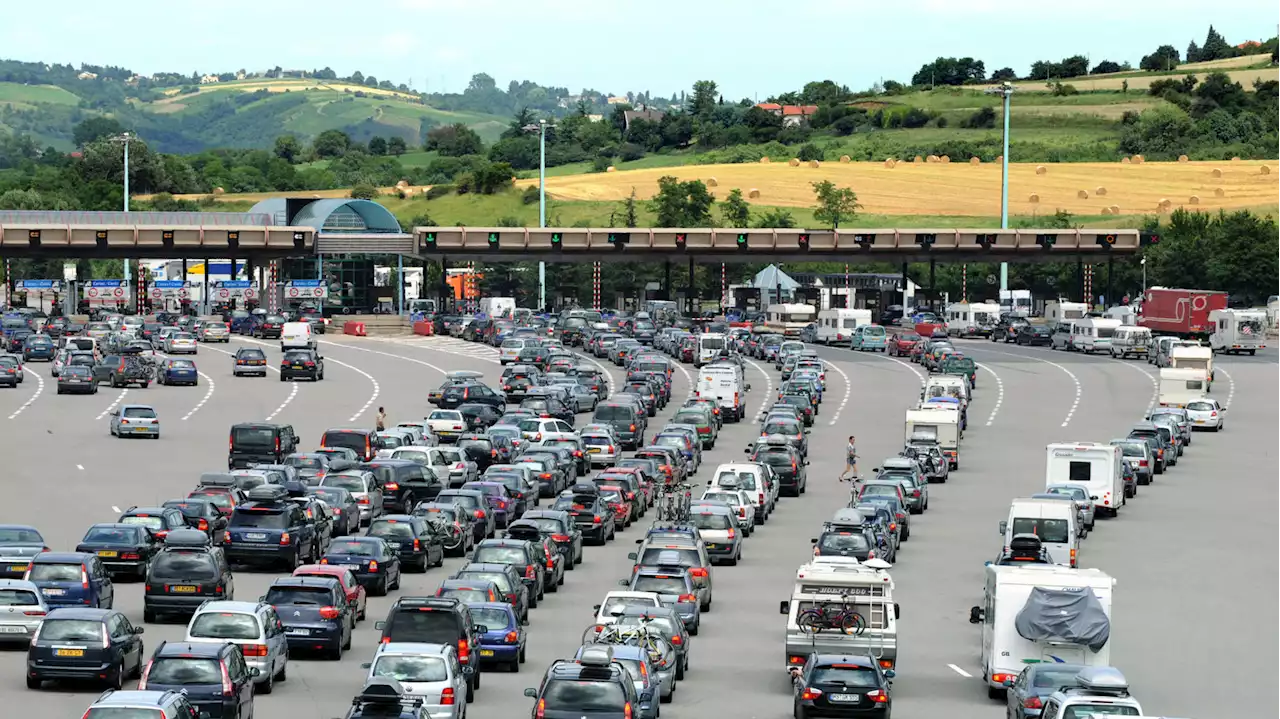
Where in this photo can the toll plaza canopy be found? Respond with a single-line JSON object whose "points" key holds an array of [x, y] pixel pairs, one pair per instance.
{"points": [[343, 226]]}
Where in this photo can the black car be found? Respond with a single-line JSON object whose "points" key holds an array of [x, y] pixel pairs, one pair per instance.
{"points": [[451, 520], [123, 549], [591, 515], [158, 520], [10, 370], [305, 364], [515, 385], [187, 572], [373, 561], [837, 685], [435, 620], [1033, 335], [270, 327], [520, 554], [76, 379], [214, 677], [260, 443], [420, 546], [85, 644], [343, 506], [479, 417], [269, 528], [593, 686], [507, 579], [471, 392], [560, 527], [1007, 329], [788, 467], [480, 449], [551, 476], [315, 613], [404, 483], [364, 442], [857, 541], [202, 515], [123, 370]]}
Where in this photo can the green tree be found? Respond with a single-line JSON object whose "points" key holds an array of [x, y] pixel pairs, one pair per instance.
{"points": [[364, 192], [331, 143], [834, 203], [682, 204], [377, 146], [94, 129], [704, 97], [397, 146], [630, 213], [454, 140], [288, 148], [735, 212], [776, 218], [1164, 58]]}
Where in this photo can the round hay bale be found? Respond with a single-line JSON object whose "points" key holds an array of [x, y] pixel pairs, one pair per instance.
{"points": [[765, 161], [918, 159], [1219, 192], [931, 158], [1125, 160], [814, 163], [1106, 210], [794, 162], [1082, 194], [1235, 159], [999, 159], [1041, 169], [402, 183], [1194, 199], [1033, 198], [753, 194], [975, 161], [1216, 172], [1183, 158], [1100, 191], [1165, 202], [712, 182], [1265, 169], [1138, 159], [219, 191], [945, 159], [845, 158], [610, 168], [1115, 209], [890, 164]]}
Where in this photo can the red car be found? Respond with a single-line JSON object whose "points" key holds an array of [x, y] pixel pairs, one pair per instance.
{"points": [[356, 595], [903, 343]]}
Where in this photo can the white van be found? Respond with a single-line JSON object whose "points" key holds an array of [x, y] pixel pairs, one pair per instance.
{"points": [[1130, 341], [837, 325], [1063, 312], [942, 423], [1054, 522], [1099, 468], [723, 383], [297, 335], [1236, 331], [1180, 387], [710, 345], [1093, 334]]}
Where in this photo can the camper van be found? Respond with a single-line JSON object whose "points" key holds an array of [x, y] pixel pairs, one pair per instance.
{"points": [[1063, 312], [1015, 303], [1236, 331], [837, 325], [1042, 613], [1130, 341], [867, 589], [1193, 356], [710, 346], [1180, 387], [788, 319], [1127, 314], [942, 422], [1093, 334], [965, 319], [1054, 522], [1098, 468]]}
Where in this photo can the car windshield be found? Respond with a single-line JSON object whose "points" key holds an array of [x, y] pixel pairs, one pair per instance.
{"points": [[224, 625], [259, 519], [312, 596], [184, 670], [711, 520], [55, 572], [500, 555], [70, 630], [184, 565], [411, 668], [661, 584], [1048, 530], [359, 549], [848, 675]]}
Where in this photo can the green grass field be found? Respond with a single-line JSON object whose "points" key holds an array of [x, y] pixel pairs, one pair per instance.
{"points": [[18, 93]]}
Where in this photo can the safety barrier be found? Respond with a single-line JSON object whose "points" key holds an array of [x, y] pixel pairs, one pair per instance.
{"points": [[356, 329], [424, 328]]}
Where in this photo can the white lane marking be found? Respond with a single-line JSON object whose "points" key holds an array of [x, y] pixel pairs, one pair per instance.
{"points": [[293, 389], [115, 509], [848, 387], [1075, 403], [908, 365], [608, 373], [688, 378], [207, 394], [80, 467], [444, 345], [1230, 392], [377, 389], [387, 354], [1155, 383], [960, 671], [768, 390], [112, 406], [32, 398], [999, 393]]}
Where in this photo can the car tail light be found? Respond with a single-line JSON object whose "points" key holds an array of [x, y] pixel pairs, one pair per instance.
{"points": [[626, 709], [329, 613], [446, 696], [597, 519], [633, 428], [84, 577], [878, 696], [130, 555], [700, 572], [761, 497], [284, 538], [203, 525], [393, 486], [373, 565], [541, 711], [732, 533], [226, 537], [480, 514], [1032, 702], [893, 526], [1002, 678], [362, 500], [254, 650], [809, 694], [417, 545], [1142, 463], [915, 493], [1073, 557], [464, 650], [688, 598]]}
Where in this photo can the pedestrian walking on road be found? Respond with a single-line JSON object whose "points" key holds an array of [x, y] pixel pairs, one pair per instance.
{"points": [[850, 459], [381, 424]]}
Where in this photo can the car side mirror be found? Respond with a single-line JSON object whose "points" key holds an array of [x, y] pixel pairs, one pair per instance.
{"points": [[889, 674], [784, 607], [631, 556], [531, 693], [1094, 497], [380, 625], [976, 615], [139, 630], [813, 540], [596, 609], [748, 388], [1004, 526], [897, 611]]}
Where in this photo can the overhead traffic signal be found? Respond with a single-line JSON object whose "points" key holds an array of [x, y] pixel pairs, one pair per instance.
{"points": [[742, 240], [986, 241], [430, 240], [1148, 238], [556, 240], [803, 239], [233, 238], [1107, 240], [1046, 240], [493, 240], [166, 238], [864, 240], [618, 239], [682, 241], [926, 239], [33, 237]]}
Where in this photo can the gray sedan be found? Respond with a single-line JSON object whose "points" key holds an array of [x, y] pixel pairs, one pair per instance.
{"points": [[1084, 503]]}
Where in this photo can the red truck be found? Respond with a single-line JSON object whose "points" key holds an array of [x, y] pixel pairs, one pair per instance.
{"points": [[1184, 313]]}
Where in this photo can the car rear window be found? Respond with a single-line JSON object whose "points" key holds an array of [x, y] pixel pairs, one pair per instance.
{"points": [[138, 413], [666, 584], [18, 598], [391, 530], [259, 519], [500, 555], [317, 596], [350, 440], [583, 696], [359, 549], [55, 572], [1048, 530], [848, 675], [184, 670], [498, 578], [711, 520], [613, 413], [224, 625], [685, 557], [184, 565], [411, 668], [253, 436], [344, 481], [123, 713], [423, 624]]}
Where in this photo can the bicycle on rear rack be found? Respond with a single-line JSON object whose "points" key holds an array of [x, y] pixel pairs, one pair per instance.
{"points": [[836, 616]]}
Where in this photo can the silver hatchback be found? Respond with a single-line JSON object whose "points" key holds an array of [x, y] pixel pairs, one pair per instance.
{"points": [[22, 610], [430, 672], [717, 524], [254, 627]]}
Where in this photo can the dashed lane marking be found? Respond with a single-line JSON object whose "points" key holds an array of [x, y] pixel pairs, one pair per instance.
{"points": [[608, 371], [687, 377], [377, 389], [999, 393], [960, 671], [293, 387], [768, 390], [1075, 402], [80, 467], [30, 400], [115, 509], [203, 400], [1231, 387], [112, 406], [848, 388]]}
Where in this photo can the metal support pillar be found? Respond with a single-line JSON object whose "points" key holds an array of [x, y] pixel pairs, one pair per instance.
{"points": [[666, 282], [1080, 279], [400, 284], [906, 282], [444, 284], [204, 295], [933, 285], [692, 292], [1111, 270]]}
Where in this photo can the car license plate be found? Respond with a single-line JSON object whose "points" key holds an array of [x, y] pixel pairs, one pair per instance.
{"points": [[593, 450], [108, 554], [68, 652], [18, 567], [298, 632], [183, 589], [843, 697], [11, 629], [1199, 421], [53, 592], [352, 567], [713, 546], [255, 537], [394, 545]]}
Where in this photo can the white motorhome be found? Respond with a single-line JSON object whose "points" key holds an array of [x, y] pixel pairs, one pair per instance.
{"points": [[865, 588], [1054, 522], [837, 325], [497, 306], [1189, 356], [710, 346], [1099, 468], [943, 423], [1063, 312], [1236, 331], [1042, 613], [788, 319], [1127, 314], [1093, 334], [1016, 303], [971, 319], [1180, 387], [723, 383]]}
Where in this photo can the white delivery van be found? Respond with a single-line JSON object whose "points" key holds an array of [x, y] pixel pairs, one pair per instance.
{"points": [[1042, 613], [864, 588], [1193, 356], [943, 423], [710, 345], [972, 319], [497, 306], [723, 383], [1099, 468], [1180, 387], [1130, 341], [1053, 521], [1093, 334], [837, 325], [1236, 331], [297, 335]]}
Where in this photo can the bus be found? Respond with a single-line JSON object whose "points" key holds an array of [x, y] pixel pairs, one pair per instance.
{"points": [[788, 319]]}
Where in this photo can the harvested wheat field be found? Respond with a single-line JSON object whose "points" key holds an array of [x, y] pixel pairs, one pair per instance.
{"points": [[1142, 82], [959, 188]]}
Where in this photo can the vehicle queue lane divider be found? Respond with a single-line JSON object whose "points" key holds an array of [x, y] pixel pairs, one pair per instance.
{"points": [[1075, 402], [208, 393], [293, 387], [35, 396], [377, 389]]}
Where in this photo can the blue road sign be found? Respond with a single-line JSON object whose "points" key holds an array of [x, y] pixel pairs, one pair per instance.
{"points": [[106, 283], [39, 284], [304, 283], [234, 284], [168, 284]]}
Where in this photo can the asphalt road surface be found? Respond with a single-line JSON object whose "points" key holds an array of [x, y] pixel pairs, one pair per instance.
{"points": [[1194, 554]]}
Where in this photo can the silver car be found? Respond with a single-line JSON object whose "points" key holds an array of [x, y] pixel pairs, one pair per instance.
{"points": [[1180, 416], [582, 397], [362, 486], [716, 523], [213, 332], [1206, 414], [23, 610], [430, 672], [254, 627], [602, 447], [1084, 503], [180, 343], [135, 420]]}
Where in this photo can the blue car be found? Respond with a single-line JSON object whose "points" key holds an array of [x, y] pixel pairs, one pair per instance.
{"points": [[38, 347], [71, 579], [315, 613], [178, 371], [505, 638]]}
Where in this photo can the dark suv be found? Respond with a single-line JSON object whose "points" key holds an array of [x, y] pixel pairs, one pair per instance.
{"points": [[187, 572], [520, 554], [404, 484], [270, 528], [315, 613], [435, 620], [306, 364], [203, 673], [470, 392], [260, 443], [594, 686], [364, 442]]}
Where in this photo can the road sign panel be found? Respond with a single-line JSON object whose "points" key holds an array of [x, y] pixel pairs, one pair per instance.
{"points": [[183, 293], [317, 291], [293, 292], [157, 293], [224, 294], [118, 292], [92, 291], [250, 293]]}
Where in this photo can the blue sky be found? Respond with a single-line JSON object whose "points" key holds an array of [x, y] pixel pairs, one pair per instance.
{"points": [[749, 48]]}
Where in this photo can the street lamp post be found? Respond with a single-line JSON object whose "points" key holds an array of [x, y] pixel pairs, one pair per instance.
{"points": [[1006, 91], [125, 138], [1144, 276], [541, 128]]}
